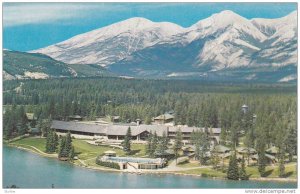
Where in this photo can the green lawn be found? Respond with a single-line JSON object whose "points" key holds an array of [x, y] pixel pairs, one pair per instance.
{"points": [[39, 143], [209, 172], [85, 151], [138, 150], [189, 165], [272, 171]]}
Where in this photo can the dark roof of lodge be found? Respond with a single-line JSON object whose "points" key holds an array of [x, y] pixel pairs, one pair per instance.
{"points": [[135, 130], [121, 129], [80, 127]]}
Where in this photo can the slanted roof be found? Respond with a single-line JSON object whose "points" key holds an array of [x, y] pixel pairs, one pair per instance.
{"points": [[270, 157], [75, 117], [34, 130], [80, 127], [255, 157], [164, 117], [30, 116], [225, 155], [190, 148], [272, 150], [136, 130], [110, 152], [221, 149], [185, 129], [244, 150]]}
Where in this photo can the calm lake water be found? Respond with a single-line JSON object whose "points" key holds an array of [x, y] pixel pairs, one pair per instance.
{"points": [[28, 170]]}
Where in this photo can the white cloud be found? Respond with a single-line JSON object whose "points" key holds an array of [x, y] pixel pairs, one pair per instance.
{"points": [[15, 14]]}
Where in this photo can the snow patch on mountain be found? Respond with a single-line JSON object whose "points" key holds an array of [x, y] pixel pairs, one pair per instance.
{"points": [[224, 40], [288, 78]]}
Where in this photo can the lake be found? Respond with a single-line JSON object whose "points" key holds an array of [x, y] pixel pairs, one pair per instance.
{"points": [[29, 170]]}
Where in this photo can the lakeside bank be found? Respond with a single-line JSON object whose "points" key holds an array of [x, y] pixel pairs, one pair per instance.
{"points": [[155, 172]]}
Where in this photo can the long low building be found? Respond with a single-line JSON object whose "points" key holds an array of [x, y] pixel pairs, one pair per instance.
{"points": [[135, 163], [138, 132]]}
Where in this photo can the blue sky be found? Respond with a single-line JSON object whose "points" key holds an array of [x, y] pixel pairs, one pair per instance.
{"points": [[29, 26]]}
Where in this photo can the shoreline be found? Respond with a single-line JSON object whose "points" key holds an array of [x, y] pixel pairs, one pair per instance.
{"points": [[159, 172]]}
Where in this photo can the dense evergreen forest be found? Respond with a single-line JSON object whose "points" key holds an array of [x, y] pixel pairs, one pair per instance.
{"points": [[195, 104]]}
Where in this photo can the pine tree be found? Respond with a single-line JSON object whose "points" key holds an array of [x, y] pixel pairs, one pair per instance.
{"points": [[243, 174], [162, 145], [223, 136], [202, 145], [62, 153], [23, 128], [149, 144], [177, 143], [233, 169], [72, 154], [281, 167], [234, 131], [154, 144], [48, 142], [215, 160], [291, 143], [261, 148], [127, 141], [261, 164], [68, 145], [51, 142]]}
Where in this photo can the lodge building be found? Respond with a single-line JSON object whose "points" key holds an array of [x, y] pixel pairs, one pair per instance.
{"points": [[138, 132]]}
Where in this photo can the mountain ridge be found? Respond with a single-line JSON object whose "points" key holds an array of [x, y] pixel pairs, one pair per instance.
{"points": [[225, 40]]}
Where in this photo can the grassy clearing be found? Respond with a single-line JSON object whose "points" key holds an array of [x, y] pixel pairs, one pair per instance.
{"points": [[205, 172], [138, 150], [189, 165], [39, 143], [83, 150], [86, 151], [272, 171]]}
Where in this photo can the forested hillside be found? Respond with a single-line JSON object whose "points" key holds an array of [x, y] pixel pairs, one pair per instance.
{"points": [[195, 103], [22, 65]]}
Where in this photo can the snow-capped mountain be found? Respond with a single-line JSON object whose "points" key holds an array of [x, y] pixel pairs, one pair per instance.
{"points": [[224, 41], [112, 43]]}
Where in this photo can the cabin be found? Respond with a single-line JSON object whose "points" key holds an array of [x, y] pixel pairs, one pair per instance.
{"points": [[110, 153], [164, 118], [188, 150], [34, 131], [245, 108], [115, 119], [75, 118], [167, 154], [30, 117]]}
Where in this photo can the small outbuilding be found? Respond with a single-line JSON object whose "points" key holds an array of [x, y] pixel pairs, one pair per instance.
{"points": [[30, 116], [221, 149], [164, 118], [75, 118], [115, 119], [110, 153]]}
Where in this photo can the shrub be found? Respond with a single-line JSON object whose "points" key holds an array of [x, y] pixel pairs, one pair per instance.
{"points": [[108, 164]]}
